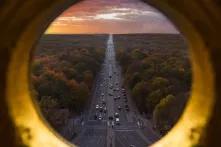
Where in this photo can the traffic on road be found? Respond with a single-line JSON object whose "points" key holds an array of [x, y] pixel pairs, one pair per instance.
{"points": [[112, 119]]}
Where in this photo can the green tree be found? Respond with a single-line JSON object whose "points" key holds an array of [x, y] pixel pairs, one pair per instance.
{"points": [[163, 115], [138, 54], [133, 79], [159, 83], [153, 99], [37, 67], [139, 92]]}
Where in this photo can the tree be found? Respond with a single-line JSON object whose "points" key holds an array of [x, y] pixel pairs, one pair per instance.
{"points": [[48, 102], [79, 98], [88, 78], [159, 83], [132, 80], [162, 115], [138, 54], [153, 99], [37, 67], [139, 93]]}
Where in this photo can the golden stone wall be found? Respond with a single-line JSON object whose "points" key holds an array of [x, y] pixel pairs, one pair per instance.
{"points": [[23, 21]]}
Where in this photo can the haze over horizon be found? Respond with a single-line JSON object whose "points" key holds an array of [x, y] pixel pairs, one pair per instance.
{"points": [[111, 17]]}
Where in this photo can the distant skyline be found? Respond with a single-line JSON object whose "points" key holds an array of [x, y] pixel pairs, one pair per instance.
{"points": [[111, 16]]}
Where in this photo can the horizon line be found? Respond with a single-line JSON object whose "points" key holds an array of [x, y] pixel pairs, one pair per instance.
{"points": [[177, 33]]}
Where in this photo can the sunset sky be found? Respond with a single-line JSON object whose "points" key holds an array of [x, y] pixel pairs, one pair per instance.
{"points": [[111, 16]]}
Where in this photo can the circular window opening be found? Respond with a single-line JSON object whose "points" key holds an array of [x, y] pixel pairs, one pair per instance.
{"points": [[111, 73]]}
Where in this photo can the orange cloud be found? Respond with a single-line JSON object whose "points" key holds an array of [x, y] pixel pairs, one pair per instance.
{"points": [[116, 16]]}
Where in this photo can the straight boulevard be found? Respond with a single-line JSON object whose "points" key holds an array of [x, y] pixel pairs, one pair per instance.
{"points": [[112, 119]]}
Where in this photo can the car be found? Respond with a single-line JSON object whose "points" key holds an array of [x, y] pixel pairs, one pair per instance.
{"points": [[115, 98], [101, 109], [108, 123], [97, 106], [110, 118], [112, 124], [105, 109], [117, 120], [103, 103], [118, 97], [116, 115], [102, 94], [100, 117], [119, 108], [126, 106], [127, 109], [95, 117]]}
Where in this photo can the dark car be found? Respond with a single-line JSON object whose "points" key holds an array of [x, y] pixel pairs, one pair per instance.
{"points": [[110, 118], [116, 115], [104, 103], [95, 117]]}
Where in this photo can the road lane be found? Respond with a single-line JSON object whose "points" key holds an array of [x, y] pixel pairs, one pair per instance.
{"points": [[107, 96]]}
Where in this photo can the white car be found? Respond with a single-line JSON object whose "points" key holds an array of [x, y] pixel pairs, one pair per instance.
{"points": [[105, 108], [112, 124], [97, 106], [117, 120], [100, 117]]}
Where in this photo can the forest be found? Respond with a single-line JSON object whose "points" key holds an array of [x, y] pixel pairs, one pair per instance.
{"points": [[155, 67], [157, 72], [63, 70]]}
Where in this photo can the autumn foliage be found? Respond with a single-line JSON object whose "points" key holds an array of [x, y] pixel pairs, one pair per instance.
{"points": [[63, 70], [157, 71]]}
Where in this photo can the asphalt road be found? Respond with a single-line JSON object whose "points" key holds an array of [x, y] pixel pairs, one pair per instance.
{"points": [[101, 127]]}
